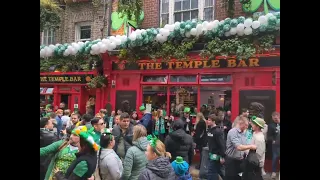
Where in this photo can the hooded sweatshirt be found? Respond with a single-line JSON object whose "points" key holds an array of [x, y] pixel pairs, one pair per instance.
{"points": [[110, 165], [135, 160], [187, 176], [158, 169], [179, 143]]}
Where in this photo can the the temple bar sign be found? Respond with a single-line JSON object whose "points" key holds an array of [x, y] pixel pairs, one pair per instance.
{"points": [[79, 79], [231, 63], [202, 64]]}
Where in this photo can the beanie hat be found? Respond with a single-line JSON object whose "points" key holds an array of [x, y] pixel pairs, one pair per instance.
{"points": [[186, 110], [142, 108], [180, 166]]}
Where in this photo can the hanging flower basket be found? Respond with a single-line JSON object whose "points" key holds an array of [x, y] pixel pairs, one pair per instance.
{"points": [[97, 82]]}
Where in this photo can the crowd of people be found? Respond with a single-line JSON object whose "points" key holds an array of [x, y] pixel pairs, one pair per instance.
{"points": [[154, 146]]}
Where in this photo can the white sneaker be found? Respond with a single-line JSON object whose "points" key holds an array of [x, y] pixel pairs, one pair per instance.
{"points": [[263, 172], [273, 175]]}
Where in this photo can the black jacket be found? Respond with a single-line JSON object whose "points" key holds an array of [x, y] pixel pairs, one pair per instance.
{"points": [[189, 123], [216, 142], [47, 137], [127, 138], [179, 143], [226, 122], [200, 133], [273, 133]]}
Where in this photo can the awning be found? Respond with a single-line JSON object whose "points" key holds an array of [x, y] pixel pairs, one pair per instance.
{"points": [[46, 91]]}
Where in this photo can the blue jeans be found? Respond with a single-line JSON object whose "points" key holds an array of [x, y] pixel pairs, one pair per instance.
{"points": [[214, 169], [275, 155]]}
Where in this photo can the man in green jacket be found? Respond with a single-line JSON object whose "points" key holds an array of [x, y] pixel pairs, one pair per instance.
{"points": [[98, 127]]}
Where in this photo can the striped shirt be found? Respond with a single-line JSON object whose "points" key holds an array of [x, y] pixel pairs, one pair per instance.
{"points": [[234, 139]]}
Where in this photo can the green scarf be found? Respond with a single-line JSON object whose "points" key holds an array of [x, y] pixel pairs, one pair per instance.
{"points": [[159, 127]]}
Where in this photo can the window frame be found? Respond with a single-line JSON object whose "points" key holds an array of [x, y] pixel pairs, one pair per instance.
{"points": [[216, 83], [78, 31], [184, 83], [171, 10], [153, 83], [45, 35]]}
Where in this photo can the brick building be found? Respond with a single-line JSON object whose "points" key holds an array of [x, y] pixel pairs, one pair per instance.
{"points": [[82, 21]]}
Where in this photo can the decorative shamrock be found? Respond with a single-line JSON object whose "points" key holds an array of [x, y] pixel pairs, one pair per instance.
{"points": [[255, 4], [119, 19], [153, 140]]}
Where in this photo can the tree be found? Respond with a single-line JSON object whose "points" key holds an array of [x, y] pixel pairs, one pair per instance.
{"points": [[49, 14]]}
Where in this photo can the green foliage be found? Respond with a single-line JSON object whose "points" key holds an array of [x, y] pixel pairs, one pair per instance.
{"points": [[131, 8], [156, 50], [241, 47], [49, 14], [97, 82], [69, 63]]}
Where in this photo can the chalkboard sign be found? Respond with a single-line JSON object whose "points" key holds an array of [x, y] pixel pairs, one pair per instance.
{"points": [[130, 96]]}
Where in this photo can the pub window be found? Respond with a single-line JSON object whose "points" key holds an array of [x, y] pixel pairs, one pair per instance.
{"points": [[162, 79], [154, 97], [192, 78], [216, 78], [181, 97]]}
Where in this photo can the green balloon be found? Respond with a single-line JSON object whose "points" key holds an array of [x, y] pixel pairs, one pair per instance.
{"points": [[66, 44], [220, 33], [227, 21], [241, 19], [272, 21], [139, 37], [193, 24], [60, 52], [56, 51], [262, 28], [234, 23], [277, 14], [271, 28], [278, 23], [226, 28], [182, 25], [87, 50], [63, 48], [188, 27]]}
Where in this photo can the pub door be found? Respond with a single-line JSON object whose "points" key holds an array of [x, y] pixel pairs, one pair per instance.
{"points": [[66, 98]]}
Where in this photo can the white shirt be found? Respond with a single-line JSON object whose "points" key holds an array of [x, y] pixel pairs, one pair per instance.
{"points": [[259, 140]]}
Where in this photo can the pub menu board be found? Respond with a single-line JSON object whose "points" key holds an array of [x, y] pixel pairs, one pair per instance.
{"points": [[266, 97], [123, 95]]}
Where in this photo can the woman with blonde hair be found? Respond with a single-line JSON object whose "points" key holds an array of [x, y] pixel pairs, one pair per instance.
{"points": [[135, 159], [159, 166], [200, 134], [159, 127]]}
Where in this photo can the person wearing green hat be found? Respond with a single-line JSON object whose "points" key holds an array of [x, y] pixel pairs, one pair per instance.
{"points": [[146, 120], [188, 126], [49, 109], [258, 140], [85, 164], [62, 152], [181, 169]]}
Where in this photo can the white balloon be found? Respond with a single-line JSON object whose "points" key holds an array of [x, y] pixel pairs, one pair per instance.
{"points": [[247, 31], [269, 15], [164, 39], [118, 36], [193, 31], [248, 22], [57, 45], [117, 42], [106, 41], [103, 48], [99, 44], [171, 27], [42, 53], [166, 32], [76, 47], [263, 20], [166, 26], [133, 36], [177, 25], [72, 51], [94, 47], [188, 34], [227, 33], [255, 24], [112, 38], [210, 26], [215, 23], [66, 53], [51, 46], [240, 33], [161, 30], [204, 30], [240, 27], [221, 22], [138, 32], [233, 31], [80, 44], [99, 39], [158, 37], [112, 45], [123, 39], [92, 52], [205, 24]]}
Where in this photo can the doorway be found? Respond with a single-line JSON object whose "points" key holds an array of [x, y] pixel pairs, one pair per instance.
{"points": [[65, 98]]}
